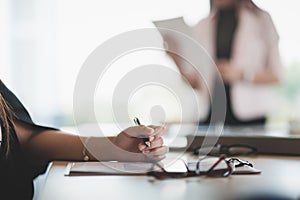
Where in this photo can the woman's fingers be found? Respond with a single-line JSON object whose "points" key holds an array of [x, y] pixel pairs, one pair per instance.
{"points": [[156, 143], [139, 131], [142, 146], [154, 133], [153, 145], [158, 130], [149, 131], [160, 151]]}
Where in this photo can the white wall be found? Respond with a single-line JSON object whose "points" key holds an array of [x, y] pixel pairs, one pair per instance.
{"points": [[44, 43]]}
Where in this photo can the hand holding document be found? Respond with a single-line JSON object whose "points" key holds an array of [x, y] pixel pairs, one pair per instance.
{"points": [[174, 32], [176, 24], [180, 39]]}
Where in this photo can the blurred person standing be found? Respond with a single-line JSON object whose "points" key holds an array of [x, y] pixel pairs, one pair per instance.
{"points": [[242, 40]]}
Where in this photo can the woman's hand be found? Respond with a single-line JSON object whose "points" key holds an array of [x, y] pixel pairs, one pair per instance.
{"points": [[229, 73], [130, 140]]}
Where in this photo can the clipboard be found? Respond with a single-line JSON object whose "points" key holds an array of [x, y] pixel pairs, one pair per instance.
{"points": [[143, 168], [107, 168], [176, 24], [182, 39]]}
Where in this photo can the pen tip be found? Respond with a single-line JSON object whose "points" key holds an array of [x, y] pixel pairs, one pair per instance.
{"points": [[147, 143]]}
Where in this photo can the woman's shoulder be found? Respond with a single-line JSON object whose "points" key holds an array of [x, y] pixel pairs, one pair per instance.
{"points": [[260, 14], [264, 16], [268, 25]]}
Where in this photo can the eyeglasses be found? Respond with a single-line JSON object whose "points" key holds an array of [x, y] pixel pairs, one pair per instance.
{"points": [[228, 150], [214, 171], [239, 163]]}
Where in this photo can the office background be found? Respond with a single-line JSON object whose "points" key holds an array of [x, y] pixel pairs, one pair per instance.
{"points": [[44, 43]]}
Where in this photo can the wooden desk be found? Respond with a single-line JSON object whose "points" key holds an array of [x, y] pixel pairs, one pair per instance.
{"points": [[280, 175]]}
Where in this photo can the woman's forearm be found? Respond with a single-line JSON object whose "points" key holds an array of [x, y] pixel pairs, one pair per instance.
{"points": [[266, 77], [52, 145], [56, 145], [49, 145], [187, 71], [42, 145]]}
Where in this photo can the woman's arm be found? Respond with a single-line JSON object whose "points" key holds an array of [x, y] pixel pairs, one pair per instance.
{"points": [[265, 77], [48, 145], [185, 68], [187, 71], [232, 74]]}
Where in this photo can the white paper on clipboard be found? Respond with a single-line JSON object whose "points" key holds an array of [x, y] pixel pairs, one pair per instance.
{"points": [[108, 168], [176, 24], [176, 35], [182, 39], [119, 168]]}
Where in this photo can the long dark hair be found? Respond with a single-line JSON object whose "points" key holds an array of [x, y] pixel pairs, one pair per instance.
{"points": [[249, 3], [7, 123]]}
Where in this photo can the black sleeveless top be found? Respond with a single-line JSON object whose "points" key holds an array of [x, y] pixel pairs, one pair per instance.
{"points": [[17, 172]]}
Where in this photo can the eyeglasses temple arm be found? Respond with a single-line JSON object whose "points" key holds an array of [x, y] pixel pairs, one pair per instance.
{"points": [[216, 163], [160, 166]]}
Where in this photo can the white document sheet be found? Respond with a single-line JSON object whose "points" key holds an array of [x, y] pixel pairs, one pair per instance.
{"points": [[176, 24], [108, 168]]}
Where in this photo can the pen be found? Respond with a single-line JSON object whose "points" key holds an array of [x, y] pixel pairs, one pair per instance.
{"points": [[145, 138]]}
